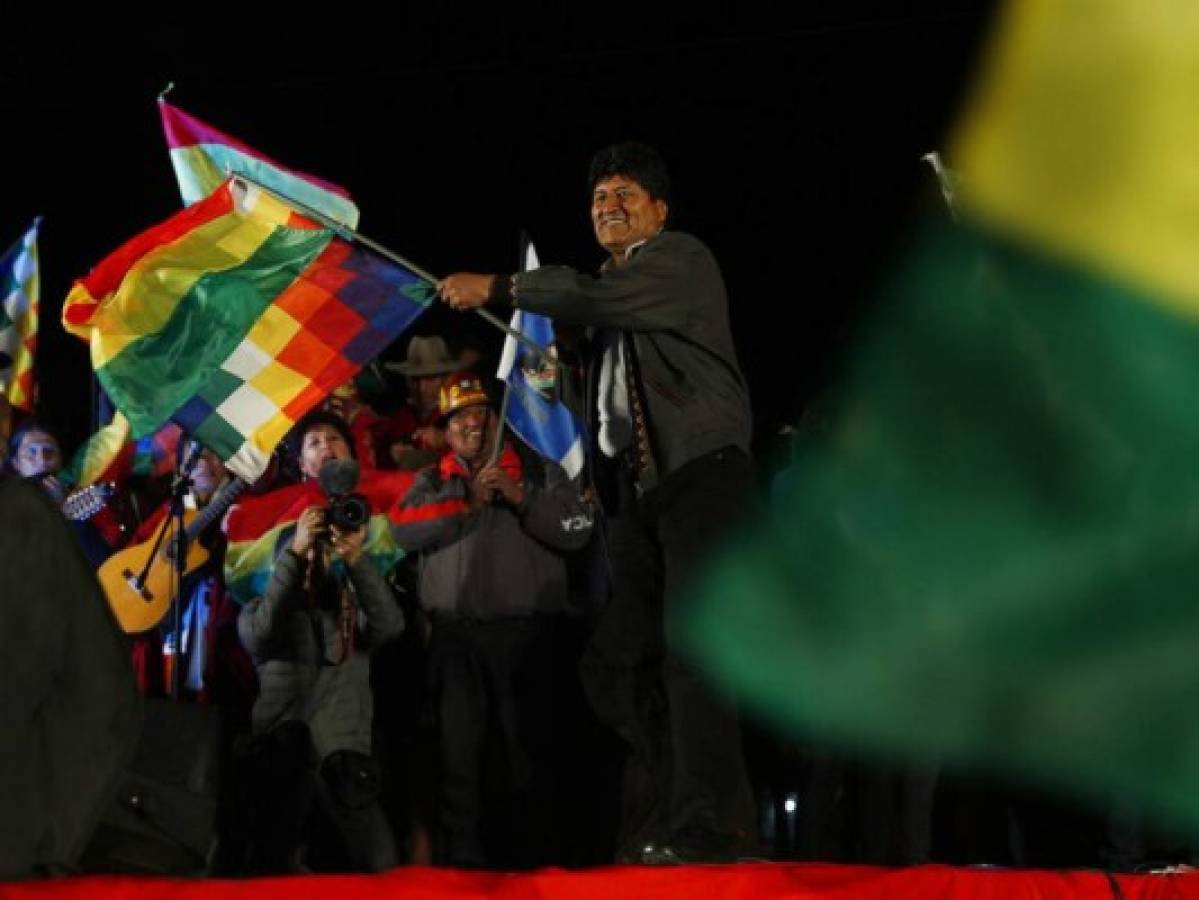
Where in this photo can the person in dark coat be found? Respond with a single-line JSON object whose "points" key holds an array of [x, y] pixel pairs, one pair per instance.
{"points": [[70, 714]]}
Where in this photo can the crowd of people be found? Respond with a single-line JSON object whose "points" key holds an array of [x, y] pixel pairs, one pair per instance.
{"points": [[443, 711], [509, 695]]}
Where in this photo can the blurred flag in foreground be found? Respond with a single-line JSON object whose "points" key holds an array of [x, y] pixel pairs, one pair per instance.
{"points": [[993, 555]]}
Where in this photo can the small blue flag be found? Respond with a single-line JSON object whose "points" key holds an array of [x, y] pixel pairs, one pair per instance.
{"points": [[534, 413]]}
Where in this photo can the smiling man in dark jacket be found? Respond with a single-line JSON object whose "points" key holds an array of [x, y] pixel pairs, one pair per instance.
{"points": [[673, 428]]}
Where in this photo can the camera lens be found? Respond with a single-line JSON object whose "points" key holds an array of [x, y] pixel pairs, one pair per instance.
{"points": [[350, 512]]}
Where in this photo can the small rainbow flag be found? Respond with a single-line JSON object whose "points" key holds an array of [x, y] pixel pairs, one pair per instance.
{"points": [[111, 455], [257, 528], [19, 290], [235, 317], [106, 456], [204, 157]]}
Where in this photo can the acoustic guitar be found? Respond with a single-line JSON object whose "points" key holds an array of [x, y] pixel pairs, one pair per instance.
{"points": [[141, 601]]}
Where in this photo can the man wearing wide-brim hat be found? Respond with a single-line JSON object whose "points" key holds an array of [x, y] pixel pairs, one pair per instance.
{"points": [[416, 439]]}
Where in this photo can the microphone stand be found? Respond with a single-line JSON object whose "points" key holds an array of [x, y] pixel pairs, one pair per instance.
{"points": [[186, 455]]}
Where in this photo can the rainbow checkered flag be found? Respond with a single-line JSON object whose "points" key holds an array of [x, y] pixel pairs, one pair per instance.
{"points": [[19, 290], [235, 317], [112, 455]]}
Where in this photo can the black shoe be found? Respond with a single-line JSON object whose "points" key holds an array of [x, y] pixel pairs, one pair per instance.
{"points": [[678, 854], [630, 855]]}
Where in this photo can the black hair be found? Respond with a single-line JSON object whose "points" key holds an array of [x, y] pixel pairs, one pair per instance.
{"points": [[642, 163], [28, 427], [295, 440]]}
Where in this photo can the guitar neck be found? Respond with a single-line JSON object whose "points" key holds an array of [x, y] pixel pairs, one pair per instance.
{"points": [[222, 500], [86, 503]]}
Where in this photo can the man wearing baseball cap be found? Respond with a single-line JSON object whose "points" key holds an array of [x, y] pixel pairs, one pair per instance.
{"points": [[492, 528]]}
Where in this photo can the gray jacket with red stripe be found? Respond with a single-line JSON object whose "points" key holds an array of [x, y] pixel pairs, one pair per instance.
{"points": [[499, 561]]}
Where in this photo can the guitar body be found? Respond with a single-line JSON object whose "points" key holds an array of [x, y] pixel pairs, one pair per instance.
{"points": [[110, 524], [140, 608]]}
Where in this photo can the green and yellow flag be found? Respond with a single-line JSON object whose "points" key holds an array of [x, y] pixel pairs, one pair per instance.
{"points": [[993, 556], [19, 297]]}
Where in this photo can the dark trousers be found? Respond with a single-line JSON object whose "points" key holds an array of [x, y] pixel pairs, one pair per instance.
{"points": [[685, 778], [345, 788], [493, 686]]}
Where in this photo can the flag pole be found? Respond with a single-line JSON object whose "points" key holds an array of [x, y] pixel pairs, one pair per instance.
{"points": [[350, 235], [946, 178], [499, 429], [522, 249]]}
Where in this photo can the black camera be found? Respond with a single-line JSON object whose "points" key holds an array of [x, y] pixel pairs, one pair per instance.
{"points": [[348, 512]]}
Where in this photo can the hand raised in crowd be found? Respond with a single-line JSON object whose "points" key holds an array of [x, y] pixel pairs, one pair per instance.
{"points": [[495, 483], [429, 438], [348, 544], [54, 488], [309, 528], [346, 407], [399, 450], [465, 290]]}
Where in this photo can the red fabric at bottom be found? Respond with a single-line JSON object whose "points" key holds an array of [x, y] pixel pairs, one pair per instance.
{"points": [[740, 882]]}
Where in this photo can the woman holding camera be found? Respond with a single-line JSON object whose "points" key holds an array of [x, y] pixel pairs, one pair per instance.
{"points": [[310, 635]]}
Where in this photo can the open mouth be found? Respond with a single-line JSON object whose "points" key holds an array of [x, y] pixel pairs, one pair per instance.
{"points": [[472, 440]]}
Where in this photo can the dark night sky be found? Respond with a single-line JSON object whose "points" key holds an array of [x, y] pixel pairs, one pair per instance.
{"points": [[793, 137]]}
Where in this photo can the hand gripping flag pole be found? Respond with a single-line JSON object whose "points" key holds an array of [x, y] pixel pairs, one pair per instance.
{"points": [[349, 235]]}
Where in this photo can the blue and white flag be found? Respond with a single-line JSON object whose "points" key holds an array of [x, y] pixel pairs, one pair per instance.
{"points": [[534, 413]]}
